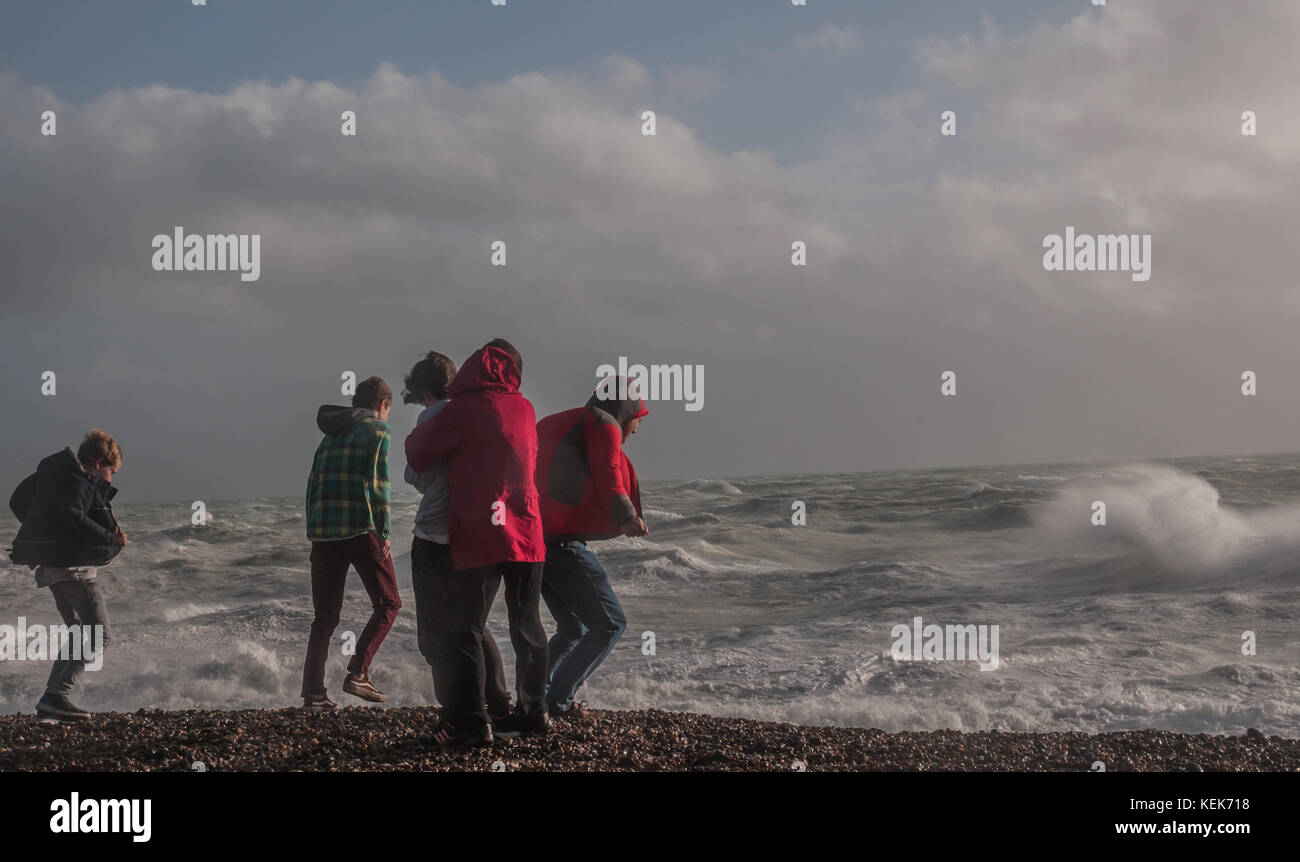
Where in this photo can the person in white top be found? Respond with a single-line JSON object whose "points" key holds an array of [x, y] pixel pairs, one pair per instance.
{"points": [[431, 564]]}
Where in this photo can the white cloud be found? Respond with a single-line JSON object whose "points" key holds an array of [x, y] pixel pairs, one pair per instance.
{"points": [[925, 252], [828, 41]]}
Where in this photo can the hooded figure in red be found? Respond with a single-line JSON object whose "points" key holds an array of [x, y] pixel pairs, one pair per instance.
{"points": [[487, 437], [588, 486], [589, 491], [488, 434]]}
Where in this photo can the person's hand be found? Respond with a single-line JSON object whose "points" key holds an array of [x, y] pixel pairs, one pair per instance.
{"points": [[388, 548], [634, 527], [119, 538]]}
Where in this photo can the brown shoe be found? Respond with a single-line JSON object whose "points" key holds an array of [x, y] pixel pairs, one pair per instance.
{"points": [[318, 703], [360, 685]]}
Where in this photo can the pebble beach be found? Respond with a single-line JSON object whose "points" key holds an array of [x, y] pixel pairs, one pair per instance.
{"points": [[396, 739]]}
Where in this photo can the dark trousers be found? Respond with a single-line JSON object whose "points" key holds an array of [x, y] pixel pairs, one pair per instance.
{"points": [[80, 604], [458, 625], [431, 570], [329, 574]]}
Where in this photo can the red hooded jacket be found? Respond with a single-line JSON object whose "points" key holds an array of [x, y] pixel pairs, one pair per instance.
{"points": [[487, 435], [588, 487]]}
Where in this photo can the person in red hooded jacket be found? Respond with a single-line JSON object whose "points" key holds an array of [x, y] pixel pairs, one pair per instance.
{"points": [[488, 437], [589, 491]]}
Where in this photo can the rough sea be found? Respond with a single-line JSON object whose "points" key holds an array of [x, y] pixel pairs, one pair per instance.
{"points": [[1139, 623]]}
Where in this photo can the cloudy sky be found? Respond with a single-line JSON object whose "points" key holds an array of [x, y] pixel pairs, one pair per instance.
{"points": [[775, 123]]}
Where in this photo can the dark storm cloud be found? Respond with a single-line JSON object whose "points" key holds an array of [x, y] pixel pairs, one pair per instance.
{"points": [[924, 255]]}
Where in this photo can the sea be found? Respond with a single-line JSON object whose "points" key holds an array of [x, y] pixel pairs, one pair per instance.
{"points": [[782, 597]]}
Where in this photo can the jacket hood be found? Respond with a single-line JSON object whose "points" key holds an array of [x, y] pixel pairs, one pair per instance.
{"points": [[334, 419], [623, 410], [64, 466], [489, 369], [60, 465]]}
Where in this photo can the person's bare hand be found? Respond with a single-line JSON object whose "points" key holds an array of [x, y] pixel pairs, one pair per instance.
{"points": [[119, 538], [634, 527], [388, 548]]}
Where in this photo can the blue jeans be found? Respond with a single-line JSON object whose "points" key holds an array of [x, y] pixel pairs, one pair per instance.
{"points": [[588, 619], [80, 603]]}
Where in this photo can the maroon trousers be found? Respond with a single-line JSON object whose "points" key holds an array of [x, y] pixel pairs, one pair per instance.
{"points": [[329, 575]]}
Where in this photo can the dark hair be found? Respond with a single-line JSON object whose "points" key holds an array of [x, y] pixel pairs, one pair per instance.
{"points": [[99, 446], [502, 344], [372, 391], [432, 375]]}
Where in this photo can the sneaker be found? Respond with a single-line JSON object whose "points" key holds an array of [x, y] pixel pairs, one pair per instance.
{"points": [[360, 685], [518, 724], [447, 735], [318, 703], [58, 706]]}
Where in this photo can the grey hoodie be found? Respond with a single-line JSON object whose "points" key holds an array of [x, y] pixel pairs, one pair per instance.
{"points": [[431, 518]]}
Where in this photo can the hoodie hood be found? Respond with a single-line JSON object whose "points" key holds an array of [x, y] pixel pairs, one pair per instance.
{"points": [[333, 419], [623, 410], [66, 467], [60, 465], [489, 369]]}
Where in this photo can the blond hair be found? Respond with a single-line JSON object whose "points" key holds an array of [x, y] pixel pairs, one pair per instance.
{"points": [[100, 446]]}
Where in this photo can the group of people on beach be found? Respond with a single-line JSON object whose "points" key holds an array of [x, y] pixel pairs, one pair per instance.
{"points": [[504, 499]]}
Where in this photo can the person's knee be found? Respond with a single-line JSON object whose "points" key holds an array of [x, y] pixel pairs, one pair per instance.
{"points": [[449, 642], [571, 629], [424, 642], [612, 628], [325, 620], [388, 606], [618, 619]]}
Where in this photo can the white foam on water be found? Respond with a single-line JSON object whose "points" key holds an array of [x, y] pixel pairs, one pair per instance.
{"points": [[189, 610], [1174, 517], [1136, 624], [660, 514]]}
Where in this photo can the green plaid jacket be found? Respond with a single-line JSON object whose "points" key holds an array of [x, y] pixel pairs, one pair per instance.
{"points": [[347, 492]]}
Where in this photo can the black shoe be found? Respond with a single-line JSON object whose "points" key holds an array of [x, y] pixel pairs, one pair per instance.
{"points": [[520, 724], [58, 706], [447, 735]]}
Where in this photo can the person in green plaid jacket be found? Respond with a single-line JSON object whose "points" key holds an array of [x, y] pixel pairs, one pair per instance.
{"points": [[348, 491], [348, 525]]}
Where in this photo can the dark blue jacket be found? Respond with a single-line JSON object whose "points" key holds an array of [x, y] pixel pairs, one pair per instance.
{"points": [[66, 515]]}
